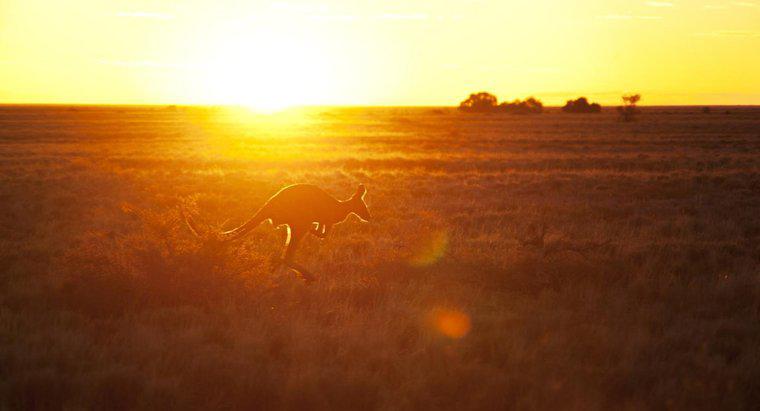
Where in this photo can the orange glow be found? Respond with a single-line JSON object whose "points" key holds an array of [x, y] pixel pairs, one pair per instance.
{"points": [[271, 55], [451, 323], [431, 248]]}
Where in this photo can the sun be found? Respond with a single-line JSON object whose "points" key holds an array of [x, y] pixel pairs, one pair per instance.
{"points": [[266, 71]]}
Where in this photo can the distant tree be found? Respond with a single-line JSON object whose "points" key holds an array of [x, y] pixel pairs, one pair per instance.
{"points": [[628, 110], [581, 105], [534, 105], [531, 105], [706, 110], [479, 102]]}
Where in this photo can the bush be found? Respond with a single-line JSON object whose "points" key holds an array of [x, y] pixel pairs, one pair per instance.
{"points": [[581, 105], [479, 103], [530, 106], [484, 102]]}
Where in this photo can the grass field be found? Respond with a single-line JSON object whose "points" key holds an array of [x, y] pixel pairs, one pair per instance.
{"points": [[513, 262]]}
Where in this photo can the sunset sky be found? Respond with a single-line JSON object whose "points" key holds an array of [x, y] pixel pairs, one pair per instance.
{"points": [[411, 52]]}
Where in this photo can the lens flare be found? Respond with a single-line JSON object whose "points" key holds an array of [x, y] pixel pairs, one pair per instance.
{"points": [[451, 323], [430, 249]]}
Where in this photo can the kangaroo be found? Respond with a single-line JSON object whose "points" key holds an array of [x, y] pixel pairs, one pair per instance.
{"points": [[303, 209]]}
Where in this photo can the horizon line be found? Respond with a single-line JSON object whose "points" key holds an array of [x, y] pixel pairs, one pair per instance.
{"points": [[296, 106]]}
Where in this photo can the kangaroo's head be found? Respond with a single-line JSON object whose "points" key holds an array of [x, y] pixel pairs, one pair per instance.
{"points": [[358, 206]]}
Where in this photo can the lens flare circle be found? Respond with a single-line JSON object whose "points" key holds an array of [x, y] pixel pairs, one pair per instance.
{"points": [[452, 323], [430, 249]]}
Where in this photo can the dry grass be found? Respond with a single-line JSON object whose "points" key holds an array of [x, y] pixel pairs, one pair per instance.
{"points": [[643, 291]]}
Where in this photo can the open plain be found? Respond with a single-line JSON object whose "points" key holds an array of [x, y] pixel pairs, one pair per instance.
{"points": [[549, 261]]}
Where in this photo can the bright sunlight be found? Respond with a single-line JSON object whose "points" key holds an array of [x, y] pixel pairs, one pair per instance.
{"points": [[265, 69], [273, 54]]}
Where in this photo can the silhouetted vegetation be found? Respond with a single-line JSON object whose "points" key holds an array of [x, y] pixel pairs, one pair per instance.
{"points": [[581, 105], [531, 105], [628, 111], [484, 102]]}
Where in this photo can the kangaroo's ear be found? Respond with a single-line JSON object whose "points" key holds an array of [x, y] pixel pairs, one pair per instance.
{"points": [[361, 191]]}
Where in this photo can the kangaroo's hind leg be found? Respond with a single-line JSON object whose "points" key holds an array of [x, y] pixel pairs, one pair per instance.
{"points": [[295, 235]]}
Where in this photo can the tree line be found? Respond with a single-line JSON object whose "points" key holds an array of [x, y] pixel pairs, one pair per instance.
{"points": [[484, 102]]}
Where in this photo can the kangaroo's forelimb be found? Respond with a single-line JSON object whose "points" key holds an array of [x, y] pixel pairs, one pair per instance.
{"points": [[321, 230]]}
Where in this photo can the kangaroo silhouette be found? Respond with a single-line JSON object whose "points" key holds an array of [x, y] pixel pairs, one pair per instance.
{"points": [[303, 209]]}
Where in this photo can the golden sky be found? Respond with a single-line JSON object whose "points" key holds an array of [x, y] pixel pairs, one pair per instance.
{"points": [[410, 52]]}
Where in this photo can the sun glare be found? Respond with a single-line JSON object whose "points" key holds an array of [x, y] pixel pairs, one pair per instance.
{"points": [[266, 71]]}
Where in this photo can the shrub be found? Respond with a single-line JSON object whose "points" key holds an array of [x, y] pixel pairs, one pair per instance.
{"points": [[530, 106], [484, 102], [581, 105], [479, 103]]}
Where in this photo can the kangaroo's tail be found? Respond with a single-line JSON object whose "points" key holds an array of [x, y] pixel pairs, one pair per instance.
{"points": [[229, 235], [242, 230]]}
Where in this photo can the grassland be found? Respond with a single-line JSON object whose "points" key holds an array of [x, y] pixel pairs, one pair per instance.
{"points": [[642, 293]]}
